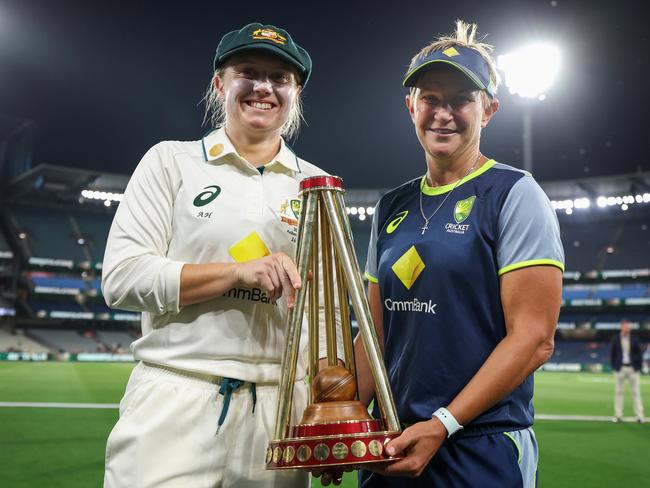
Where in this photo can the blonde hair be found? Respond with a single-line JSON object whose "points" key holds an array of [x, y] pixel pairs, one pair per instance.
{"points": [[215, 109], [466, 35]]}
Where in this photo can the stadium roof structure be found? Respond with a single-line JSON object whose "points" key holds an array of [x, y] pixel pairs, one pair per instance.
{"points": [[60, 183], [592, 188], [633, 183], [66, 184]]}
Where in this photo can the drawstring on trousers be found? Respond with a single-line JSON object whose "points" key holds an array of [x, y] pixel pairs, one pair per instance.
{"points": [[228, 385]]}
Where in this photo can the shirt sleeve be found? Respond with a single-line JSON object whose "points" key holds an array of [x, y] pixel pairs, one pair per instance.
{"points": [[137, 275], [371, 260], [529, 233]]}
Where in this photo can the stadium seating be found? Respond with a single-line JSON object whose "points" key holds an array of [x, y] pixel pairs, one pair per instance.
{"points": [[6, 308], [585, 352], [49, 234], [607, 243], [18, 342], [115, 340], [5, 249], [63, 340], [94, 229], [606, 291], [63, 288]]}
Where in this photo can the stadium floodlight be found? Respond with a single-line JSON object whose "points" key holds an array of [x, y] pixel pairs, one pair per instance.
{"points": [[531, 70], [624, 202]]}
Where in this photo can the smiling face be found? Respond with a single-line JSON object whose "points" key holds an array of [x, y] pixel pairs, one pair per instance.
{"points": [[448, 112], [258, 91]]}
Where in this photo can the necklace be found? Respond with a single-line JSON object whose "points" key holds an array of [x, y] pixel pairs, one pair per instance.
{"points": [[426, 220]]}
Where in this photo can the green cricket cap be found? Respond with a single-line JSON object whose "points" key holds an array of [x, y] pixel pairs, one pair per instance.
{"points": [[265, 38]]}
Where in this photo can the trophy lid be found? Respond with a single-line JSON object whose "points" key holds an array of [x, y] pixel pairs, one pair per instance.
{"points": [[322, 182]]}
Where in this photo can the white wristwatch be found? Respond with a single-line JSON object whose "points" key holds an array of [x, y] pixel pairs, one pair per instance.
{"points": [[448, 420]]}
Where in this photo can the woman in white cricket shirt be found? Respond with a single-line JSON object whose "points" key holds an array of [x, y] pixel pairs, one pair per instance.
{"points": [[200, 245]]}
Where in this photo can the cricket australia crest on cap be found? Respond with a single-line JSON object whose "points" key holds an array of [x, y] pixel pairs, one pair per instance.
{"points": [[269, 35]]}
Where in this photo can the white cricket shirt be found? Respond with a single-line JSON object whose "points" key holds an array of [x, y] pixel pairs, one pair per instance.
{"points": [[200, 202]]}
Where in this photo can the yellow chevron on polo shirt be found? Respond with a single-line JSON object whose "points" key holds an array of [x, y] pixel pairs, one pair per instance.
{"points": [[408, 267], [250, 247]]}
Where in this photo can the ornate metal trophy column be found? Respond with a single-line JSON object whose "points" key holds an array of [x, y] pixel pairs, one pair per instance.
{"points": [[335, 428]]}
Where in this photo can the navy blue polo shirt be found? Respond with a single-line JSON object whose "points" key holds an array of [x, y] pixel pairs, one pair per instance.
{"points": [[442, 311]]}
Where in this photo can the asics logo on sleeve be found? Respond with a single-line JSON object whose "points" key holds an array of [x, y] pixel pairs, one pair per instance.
{"points": [[207, 196], [393, 224]]}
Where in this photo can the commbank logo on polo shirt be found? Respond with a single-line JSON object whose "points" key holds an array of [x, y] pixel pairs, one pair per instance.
{"points": [[414, 305], [251, 294], [408, 267]]}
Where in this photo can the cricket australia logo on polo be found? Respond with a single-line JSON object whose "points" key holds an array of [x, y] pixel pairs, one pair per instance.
{"points": [[290, 215], [290, 211], [462, 209]]}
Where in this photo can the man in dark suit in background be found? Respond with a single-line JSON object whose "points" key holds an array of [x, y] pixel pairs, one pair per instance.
{"points": [[626, 362]]}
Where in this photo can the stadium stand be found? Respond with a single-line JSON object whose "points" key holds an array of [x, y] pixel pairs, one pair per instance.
{"points": [[5, 249], [51, 248], [64, 340], [16, 341], [94, 230], [115, 341], [581, 352], [48, 233]]}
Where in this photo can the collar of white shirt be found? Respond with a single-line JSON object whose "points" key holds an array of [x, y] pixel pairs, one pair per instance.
{"points": [[217, 146]]}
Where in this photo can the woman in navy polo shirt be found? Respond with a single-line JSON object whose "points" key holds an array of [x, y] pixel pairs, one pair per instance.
{"points": [[465, 275]]}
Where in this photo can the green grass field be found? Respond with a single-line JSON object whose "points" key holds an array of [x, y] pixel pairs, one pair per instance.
{"points": [[47, 447]]}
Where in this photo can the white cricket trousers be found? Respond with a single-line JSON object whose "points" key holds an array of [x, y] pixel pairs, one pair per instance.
{"points": [[634, 378], [166, 436]]}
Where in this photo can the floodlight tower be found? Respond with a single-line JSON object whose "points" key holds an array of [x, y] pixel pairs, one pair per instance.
{"points": [[529, 72]]}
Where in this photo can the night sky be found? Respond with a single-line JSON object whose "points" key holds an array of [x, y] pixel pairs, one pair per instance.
{"points": [[105, 80]]}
